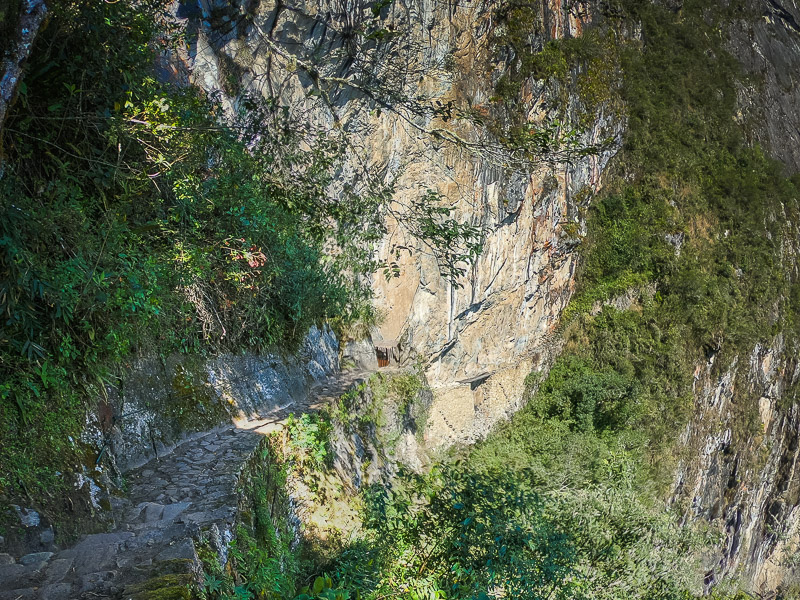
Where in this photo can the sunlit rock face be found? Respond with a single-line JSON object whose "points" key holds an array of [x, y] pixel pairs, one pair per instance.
{"points": [[480, 336], [738, 466], [769, 50], [164, 401]]}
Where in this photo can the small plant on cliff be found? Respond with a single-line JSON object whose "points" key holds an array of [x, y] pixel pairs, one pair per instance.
{"points": [[323, 589], [309, 439], [260, 561]]}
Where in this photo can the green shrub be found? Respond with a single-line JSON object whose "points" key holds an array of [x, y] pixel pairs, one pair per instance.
{"points": [[309, 438], [586, 398], [132, 217]]}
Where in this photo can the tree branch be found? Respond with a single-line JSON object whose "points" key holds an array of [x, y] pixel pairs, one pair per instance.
{"points": [[30, 21], [555, 150]]}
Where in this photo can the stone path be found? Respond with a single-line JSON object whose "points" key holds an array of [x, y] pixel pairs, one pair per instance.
{"points": [[170, 500]]}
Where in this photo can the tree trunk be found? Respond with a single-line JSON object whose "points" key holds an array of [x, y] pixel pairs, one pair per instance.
{"points": [[31, 17]]}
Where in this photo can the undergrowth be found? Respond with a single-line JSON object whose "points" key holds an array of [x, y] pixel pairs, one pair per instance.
{"points": [[260, 560], [694, 226], [135, 217]]}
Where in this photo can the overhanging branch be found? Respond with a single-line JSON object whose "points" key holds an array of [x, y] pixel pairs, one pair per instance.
{"points": [[31, 18]]}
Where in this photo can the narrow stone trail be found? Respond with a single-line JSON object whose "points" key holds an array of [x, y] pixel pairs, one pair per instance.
{"points": [[170, 500]]}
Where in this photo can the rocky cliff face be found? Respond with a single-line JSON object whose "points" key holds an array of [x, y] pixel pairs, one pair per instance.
{"points": [[739, 465], [769, 50], [479, 339]]}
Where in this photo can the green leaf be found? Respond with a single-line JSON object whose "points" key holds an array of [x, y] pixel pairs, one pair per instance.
{"points": [[319, 584]]}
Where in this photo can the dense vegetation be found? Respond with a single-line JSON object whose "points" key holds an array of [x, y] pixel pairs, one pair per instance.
{"points": [[150, 219], [692, 228], [134, 216]]}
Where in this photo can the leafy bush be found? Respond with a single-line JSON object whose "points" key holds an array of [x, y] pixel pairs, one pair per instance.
{"points": [[586, 398], [458, 535], [309, 438], [323, 589], [464, 534], [260, 561]]}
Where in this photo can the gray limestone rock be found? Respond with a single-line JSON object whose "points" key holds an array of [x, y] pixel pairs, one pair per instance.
{"points": [[35, 558], [58, 569], [361, 353], [97, 582], [180, 550], [11, 572], [18, 594], [27, 516], [18, 576], [769, 48], [152, 511], [57, 591], [48, 536], [95, 551], [172, 511]]}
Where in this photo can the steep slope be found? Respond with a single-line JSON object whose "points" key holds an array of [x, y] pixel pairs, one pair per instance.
{"points": [[632, 233], [769, 48], [478, 341], [739, 466]]}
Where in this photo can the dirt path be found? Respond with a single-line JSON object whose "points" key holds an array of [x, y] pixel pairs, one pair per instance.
{"points": [[170, 501]]}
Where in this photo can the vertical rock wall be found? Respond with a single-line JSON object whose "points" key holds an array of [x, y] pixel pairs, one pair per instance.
{"points": [[739, 454], [769, 50], [161, 402], [496, 323], [739, 466]]}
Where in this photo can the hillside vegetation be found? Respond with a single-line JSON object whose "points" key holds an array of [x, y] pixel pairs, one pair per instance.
{"points": [[137, 217]]}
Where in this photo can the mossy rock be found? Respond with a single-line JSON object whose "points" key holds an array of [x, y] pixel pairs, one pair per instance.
{"points": [[174, 566], [193, 403], [166, 587]]}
